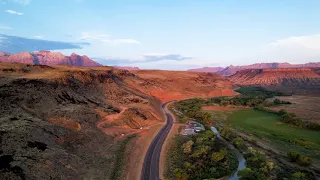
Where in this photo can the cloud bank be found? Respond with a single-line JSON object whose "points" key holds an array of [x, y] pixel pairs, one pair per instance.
{"points": [[104, 38], [15, 44], [21, 2], [296, 49], [5, 28]]}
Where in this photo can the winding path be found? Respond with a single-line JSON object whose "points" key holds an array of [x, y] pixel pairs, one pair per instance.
{"points": [[150, 169]]}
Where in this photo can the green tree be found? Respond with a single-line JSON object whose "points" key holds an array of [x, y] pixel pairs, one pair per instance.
{"points": [[184, 119], [207, 135], [276, 101], [187, 147], [298, 176], [200, 151], [246, 174], [305, 161], [180, 174], [283, 111], [218, 156], [239, 143], [293, 155]]}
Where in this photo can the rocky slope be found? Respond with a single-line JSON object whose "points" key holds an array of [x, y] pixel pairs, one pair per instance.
{"points": [[172, 85], [68, 122], [48, 58], [233, 69], [290, 79]]}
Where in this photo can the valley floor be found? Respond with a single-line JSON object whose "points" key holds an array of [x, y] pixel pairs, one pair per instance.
{"points": [[305, 107]]}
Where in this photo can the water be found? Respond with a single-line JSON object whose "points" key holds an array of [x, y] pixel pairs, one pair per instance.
{"points": [[242, 161]]}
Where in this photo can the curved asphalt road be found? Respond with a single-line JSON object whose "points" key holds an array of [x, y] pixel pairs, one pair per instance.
{"points": [[150, 169]]}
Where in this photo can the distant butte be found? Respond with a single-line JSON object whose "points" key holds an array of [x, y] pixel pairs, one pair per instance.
{"points": [[48, 58], [230, 70]]}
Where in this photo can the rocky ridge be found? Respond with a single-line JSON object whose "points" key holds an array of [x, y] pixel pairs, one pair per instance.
{"points": [[48, 58], [227, 71]]}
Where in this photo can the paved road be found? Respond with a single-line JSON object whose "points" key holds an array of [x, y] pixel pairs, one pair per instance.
{"points": [[150, 169]]}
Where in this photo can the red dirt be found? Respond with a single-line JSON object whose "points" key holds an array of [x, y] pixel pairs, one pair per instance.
{"points": [[177, 85], [67, 123]]}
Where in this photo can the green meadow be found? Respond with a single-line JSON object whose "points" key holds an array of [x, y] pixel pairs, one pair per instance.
{"points": [[266, 126]]}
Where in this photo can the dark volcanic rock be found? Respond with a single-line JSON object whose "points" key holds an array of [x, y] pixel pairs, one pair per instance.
{"points": [[36, 142]]}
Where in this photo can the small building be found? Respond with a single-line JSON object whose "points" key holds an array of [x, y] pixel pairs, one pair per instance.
{"points": [[196, 126], [188, 132]]}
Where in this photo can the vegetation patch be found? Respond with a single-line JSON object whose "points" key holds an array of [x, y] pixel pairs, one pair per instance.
{"points": [[291, 118], [283, 136], [191, 108], [199, 157], [120, 160]]}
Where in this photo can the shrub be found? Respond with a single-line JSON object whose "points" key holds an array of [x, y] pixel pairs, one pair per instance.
{"points": [[247, 174], [218, 156], [239, 143], [253, 140], [298, 176], [304, 161], [187, 147], [300, 159], [293, 155], [276, 101], [313, 126], [183, 119], [283, 111]]}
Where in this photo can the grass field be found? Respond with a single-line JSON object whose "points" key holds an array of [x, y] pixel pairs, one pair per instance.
{"points": [[267, 126], [305, 107]]}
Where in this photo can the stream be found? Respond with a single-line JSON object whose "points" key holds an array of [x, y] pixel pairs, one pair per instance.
{"points": [[242, 161]]}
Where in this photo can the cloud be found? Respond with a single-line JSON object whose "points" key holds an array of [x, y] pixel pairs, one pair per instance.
{"points": [[310, 42], [295, 49], [5, 28], [149, 60], [14, 12], [120, 41], [159, 57], [105, 38], [15, 44], [21, 2], [38, 37], [172, 64]]}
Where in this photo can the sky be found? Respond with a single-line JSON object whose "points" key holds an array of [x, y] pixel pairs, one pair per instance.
{"points": [[165, 34]]}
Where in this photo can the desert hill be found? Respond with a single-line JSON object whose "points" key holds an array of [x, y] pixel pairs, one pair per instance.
{"points": [[233, 69], [73, 119], [289, 79], [173, 85], [48, 58]]}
